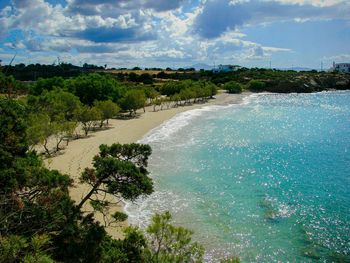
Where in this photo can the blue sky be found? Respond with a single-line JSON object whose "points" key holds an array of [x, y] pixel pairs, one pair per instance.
{"points": [[176, 33]]}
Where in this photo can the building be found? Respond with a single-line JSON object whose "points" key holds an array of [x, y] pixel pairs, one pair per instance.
{"points": [[341, 67], [225, 68]]}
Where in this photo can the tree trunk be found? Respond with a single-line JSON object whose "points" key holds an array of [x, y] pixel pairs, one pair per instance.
{"points": [[87, 197], [45, 147], [58, 144]]}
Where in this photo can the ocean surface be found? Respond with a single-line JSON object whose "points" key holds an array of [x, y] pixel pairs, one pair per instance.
{"points": [[267, 180]]}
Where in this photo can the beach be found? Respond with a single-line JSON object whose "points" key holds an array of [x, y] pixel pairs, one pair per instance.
{"points": [[79, 153]]}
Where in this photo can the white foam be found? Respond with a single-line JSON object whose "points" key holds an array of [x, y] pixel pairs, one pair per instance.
{"points": [[141, 211], [181, 120]]}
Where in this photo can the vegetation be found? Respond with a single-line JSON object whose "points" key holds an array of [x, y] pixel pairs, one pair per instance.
{"points": [[133, 100], [108, 110], [88, 117], [10, 86], [233, 87], [39, 222], [95, 87]]}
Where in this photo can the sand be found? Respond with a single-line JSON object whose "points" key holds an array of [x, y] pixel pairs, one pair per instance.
{"points": [[79, 153]]}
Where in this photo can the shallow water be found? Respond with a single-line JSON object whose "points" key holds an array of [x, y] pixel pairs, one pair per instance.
{"points": [[266, 180]]}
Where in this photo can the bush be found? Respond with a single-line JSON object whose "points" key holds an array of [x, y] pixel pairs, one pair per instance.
{"points": [[233, 87], [256, 85]]}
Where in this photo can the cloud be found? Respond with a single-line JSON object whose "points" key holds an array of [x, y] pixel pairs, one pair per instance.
{"points": [[338, 58], [219, 16], [114, 34], [93, 7]]}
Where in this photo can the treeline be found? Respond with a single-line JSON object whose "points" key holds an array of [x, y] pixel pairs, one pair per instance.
{"points": [[58, 108], [33, 72], [271, 80], [39, 222]]}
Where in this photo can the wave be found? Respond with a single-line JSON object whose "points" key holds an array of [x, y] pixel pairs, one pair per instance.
{"points": [[181, 120], [141, 210]]}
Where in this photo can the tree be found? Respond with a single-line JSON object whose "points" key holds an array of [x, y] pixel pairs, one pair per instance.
{"points": [[233, 87], [10, 86], [13, 142], [108, 109], [157, 102], [57, 104], [167, 243], [119, 170], [151, 94], [63, 130], [39, 129], [47, 84], [145, 78], [39, 222], [14, 247], [88, 116], [92, 87], [133, 100], [256, 85]]}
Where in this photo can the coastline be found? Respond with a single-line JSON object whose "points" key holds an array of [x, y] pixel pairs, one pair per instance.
{"points": [[79, 153]]}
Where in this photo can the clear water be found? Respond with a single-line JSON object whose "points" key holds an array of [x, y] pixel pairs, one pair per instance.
{"points": [[267, 180]]}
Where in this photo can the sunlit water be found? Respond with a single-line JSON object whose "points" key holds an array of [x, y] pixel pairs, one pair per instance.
{"points": [[267, 180]]}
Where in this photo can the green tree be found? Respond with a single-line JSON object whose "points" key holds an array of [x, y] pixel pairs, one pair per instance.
{"points": [[167, 243], [88, 117], [10, 86], [119, 170], [133, 100], [151, 94], [63, 130], [13, 142], [92, 87], [233, 87], [39, 129], [108, 109], [256, 85], [19, 249], [47, 84], [57, 104]]}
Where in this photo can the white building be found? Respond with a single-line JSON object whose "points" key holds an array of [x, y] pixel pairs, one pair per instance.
{"points": [[225, 68], [341, 67]]}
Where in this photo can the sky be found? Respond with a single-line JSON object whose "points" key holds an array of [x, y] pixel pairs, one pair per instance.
{"points": [[176, 33]]}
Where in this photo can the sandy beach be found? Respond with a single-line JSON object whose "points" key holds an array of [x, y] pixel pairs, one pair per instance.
{"points": [[79, 153]]}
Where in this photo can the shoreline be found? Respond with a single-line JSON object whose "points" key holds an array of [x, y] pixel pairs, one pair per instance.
{"points": [[79, 153]]}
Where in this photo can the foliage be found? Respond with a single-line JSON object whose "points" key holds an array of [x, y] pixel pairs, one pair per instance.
{"points": [[92, 87], [47, 84], [167, 243], [39, 129], [231, 260], [10, 86], [233, 87], [17, 248], [57, 104], [13, 141], [188, 89], [256, 85], [88, 116], [35, 71], [133, 100], [39, 222], [119, 170], [108, 109]]}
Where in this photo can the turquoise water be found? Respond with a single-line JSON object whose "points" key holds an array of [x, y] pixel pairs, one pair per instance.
{"points": [[267, 180]]}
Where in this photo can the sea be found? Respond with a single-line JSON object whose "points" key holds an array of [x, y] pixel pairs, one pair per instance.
{"points": [[267, 180]]}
